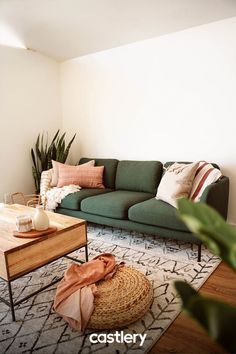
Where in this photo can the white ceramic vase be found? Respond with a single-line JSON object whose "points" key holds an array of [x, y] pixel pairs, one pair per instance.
{"points": [[40, 219]]}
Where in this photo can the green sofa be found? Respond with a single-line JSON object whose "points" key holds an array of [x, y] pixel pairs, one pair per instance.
{"points": [[128, 200]]}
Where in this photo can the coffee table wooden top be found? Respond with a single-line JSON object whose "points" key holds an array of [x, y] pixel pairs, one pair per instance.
{"points": [[8, 215]]}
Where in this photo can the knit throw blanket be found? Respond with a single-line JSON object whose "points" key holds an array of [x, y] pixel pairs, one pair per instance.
{"points": [[55, 195]]}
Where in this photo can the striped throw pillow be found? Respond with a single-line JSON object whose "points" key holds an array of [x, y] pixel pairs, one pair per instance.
{"points": [[84, 176], [45, 184], [46, 177], [205, 175]]}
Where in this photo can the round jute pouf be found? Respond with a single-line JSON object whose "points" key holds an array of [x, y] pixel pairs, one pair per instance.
{"points": [[122, 300]]}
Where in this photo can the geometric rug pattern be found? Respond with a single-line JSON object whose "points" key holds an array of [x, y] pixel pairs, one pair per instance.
{"points": [[38, 329]]}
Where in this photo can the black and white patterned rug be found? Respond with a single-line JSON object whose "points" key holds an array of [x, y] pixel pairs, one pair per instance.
{"points": [[38, 329]]}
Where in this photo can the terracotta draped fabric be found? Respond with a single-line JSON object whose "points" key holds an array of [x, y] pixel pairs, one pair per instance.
{"points": [[74, 299]]}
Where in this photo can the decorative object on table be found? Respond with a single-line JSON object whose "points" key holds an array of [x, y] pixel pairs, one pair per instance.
{"points": [[23, 223], [17, 198], [33, 233], [216, 317], [40, 219], [44, 153], [31, 200]]}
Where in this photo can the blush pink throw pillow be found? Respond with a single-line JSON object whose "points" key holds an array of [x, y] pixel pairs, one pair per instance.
{"points": [[84, 176], [55, 165]]}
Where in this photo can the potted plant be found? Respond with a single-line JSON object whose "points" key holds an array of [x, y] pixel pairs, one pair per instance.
{"points": [[43, 153]]}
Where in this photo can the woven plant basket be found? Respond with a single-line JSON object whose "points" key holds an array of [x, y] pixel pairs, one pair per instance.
{"points": [[122, 300]]}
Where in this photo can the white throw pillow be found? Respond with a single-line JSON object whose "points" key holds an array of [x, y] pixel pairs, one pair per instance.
{"points": [[177, 182]]}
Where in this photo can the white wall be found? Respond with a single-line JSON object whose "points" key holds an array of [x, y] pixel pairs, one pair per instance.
{"points": [[167, 98], [29, 104]]}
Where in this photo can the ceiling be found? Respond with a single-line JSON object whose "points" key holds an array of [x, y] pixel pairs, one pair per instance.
{"points": [[64, 29]]}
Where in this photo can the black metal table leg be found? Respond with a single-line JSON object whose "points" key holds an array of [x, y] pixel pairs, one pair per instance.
{"points": [[199, 253], [86, 253], [11, 301]]}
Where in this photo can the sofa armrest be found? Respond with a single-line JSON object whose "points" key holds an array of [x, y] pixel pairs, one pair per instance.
{"points": [[217, 196]]}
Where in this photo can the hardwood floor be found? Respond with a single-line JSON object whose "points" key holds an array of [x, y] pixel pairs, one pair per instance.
{"points": [[184, 335]]}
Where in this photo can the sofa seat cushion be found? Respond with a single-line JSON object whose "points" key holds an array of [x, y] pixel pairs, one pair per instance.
{"points": [[72, 201], [113, 205], [157, 213]]}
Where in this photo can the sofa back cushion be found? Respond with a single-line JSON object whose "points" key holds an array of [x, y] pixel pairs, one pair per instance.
{"points": [[139, 176], [110, 166]]}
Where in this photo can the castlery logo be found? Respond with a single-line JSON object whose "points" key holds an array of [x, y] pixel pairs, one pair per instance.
{"points": [[118, 337]]}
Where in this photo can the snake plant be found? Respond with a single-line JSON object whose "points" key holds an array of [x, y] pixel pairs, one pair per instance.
{"points": [[216, 317], [44, 152]]}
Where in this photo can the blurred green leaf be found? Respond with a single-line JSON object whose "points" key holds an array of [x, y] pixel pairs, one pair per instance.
{"points": [[209, 226], [68, 148], [216, 317]]}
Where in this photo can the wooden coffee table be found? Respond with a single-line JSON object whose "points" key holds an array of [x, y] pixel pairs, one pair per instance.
{"points": [[19, 256]]}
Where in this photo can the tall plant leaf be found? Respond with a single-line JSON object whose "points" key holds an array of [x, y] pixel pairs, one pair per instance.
{"points": [[61, 139], [33, 158], [37, 149], [43, 157], [54, 152], [217, 318], [209, 226], [55, 136], [52, 144], [36, 176], [46, 146], [68, 148], [42, 143], [63, 151]]}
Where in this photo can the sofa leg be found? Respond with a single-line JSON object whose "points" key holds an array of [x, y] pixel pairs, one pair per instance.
{"points": [[199, 253]]}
